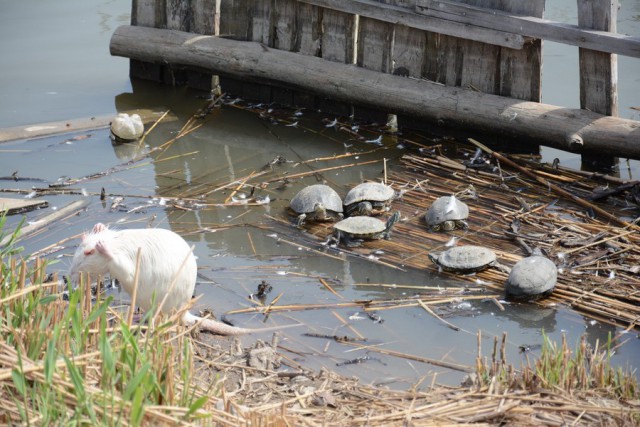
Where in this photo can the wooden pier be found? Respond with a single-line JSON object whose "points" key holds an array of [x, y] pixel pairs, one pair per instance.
{"points": [[469, 64]]}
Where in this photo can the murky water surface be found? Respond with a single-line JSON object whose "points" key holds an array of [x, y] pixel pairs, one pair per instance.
{"points": [[243, 245]]}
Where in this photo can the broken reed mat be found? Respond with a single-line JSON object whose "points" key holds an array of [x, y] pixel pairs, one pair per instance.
{"points": [[514, 208]]}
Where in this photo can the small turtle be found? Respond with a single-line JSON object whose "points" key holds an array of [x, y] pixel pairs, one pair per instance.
{"points": [[317, 202], [464, 259], [531, 278], [353, 230], [447, 213], [368, 198]]}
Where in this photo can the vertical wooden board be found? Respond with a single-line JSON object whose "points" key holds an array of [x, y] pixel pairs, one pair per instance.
{"points": [[309, 29], [521, 70], [143, 13], [443, 59], [147, 13], [285, 14], [234, 18], [598, 70], [178, 13], [375, 41], [480, 61], [409, 46], [206, 16], [481, 66], [338, 36], [262, 22]]}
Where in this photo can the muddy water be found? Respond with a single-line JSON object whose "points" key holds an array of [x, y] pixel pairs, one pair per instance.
{"points": [[239, 247], [243, 246]]}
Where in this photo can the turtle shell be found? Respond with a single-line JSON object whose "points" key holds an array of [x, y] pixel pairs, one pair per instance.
{"points": [[361, 226], [446, 208], [379, 195], [307, 199], [464, 258], [531, 278]]}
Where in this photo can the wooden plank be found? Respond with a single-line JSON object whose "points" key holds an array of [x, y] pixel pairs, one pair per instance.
{"points": [[206, 16], [530, 26], [262, 22], [521, 70], [598, 70], [409, 18], [564, 128], [14, 206], [178, 15], [375, 40], [62, 213], [338, 36], [38, 130], [143, 13], [309, 28], [234, 18], [285, 21], [409, 46]]}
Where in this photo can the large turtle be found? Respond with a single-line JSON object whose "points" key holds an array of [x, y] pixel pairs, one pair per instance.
{"points": [[447, 213], [368, 198], [353, 230], [531, 278], [465, 259], [317, 202]]}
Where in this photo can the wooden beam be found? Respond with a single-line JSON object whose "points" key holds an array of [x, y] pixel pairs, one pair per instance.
{"points": [[403, 16], [530, 26], [564, 128]]}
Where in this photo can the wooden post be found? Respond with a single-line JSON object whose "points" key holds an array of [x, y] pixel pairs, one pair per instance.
{"points": [[598, 71]]}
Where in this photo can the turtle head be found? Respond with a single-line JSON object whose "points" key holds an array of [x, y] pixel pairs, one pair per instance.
{"points": [[364, 208], [434, 256], [319, 210], [392, 220]]}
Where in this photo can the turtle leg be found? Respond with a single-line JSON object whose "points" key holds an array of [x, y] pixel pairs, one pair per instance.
{"points": [[301, 219], [351, 242]]}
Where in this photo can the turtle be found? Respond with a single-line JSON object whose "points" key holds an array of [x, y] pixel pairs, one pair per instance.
{"points": [[368, 198], [447, 213], [532, 278], [126, 127], [464, 259], [317, 202], [353, 230]]}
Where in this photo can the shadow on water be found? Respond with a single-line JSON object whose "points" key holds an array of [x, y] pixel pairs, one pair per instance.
{"points": [[239, 247]]}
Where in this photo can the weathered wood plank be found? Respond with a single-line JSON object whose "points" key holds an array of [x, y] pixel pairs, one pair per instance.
{"points": [[598, 70], [262, 22], [62, 213], [14, 206], [530, 26], [206, 16], [309, 28], [178, 13], [409, 46], [338, 36], [546, 124], [521, 70], [401, 16], [285, 21], [234, 18], [375, 40]]}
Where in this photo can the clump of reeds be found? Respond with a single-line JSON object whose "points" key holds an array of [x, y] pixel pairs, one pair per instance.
{"points": [[77, 361], [584, 369]]}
